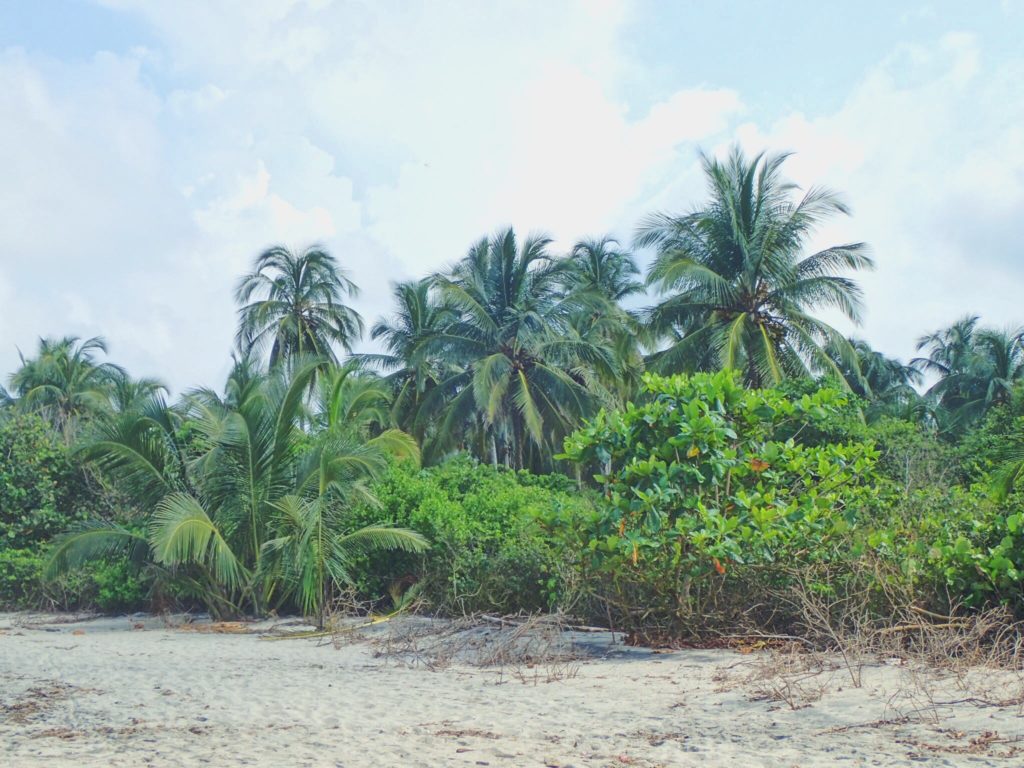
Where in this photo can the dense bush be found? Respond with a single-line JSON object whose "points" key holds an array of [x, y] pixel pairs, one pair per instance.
{"points": [[107, 585], [488, 551], [41, 490], [708, 490], [20, 586], [957, 546]]}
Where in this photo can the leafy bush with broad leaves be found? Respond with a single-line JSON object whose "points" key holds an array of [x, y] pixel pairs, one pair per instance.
{"points": [[113, 585], [958, 546], [20, 586], [41, 489], [709, 490], [488, 551]]}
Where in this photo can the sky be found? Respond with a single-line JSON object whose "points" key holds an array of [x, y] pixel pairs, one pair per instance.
{"points": [[150, 150]]}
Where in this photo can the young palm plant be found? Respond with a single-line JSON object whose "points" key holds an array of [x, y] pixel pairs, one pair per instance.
{"points": [[313, 549], [738, 288], [254, 513]]}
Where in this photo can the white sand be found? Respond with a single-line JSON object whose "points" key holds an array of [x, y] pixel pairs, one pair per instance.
{"points": [[102, 693]]}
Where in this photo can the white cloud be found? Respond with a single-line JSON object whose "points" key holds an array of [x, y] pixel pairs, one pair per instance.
{"points": [[929, 150], [138, 186]]}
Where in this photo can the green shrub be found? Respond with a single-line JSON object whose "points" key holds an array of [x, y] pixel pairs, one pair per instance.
{"points": [[958, 546], [19, 578], [108, 585], [709, 494], [118, 586], [488, 551], [38, 483]]}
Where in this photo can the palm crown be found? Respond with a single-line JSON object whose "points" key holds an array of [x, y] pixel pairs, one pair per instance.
{"points": [[515, 349], [738, 289], [294, 304]]}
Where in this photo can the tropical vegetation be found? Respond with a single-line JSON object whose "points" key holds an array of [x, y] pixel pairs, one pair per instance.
{"points": [[671, 450]]}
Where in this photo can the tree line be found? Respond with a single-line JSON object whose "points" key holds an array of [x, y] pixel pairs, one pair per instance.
{"points": [[502, 356]]}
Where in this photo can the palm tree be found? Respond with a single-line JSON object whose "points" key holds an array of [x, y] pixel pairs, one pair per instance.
{"points": [[243, 514], [949, 350], [515, 389], [886, 383], [294, 304], [130, 394], [7, 403], [418, 317], [601, 267], [313, 550], [738, 289], [66, 383], [977, 367], [601, 275]]}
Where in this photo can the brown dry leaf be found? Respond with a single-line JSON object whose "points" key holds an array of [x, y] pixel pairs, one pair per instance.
{"points": [[78, 632]]}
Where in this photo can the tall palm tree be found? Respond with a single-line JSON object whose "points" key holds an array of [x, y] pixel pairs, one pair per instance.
{"points": [[418, 317], [600, 266], [948, 350], [515, 391], [977, 367], [66, 383], [886, 383], [130, 394], [295, 305], [256, 516], [601, 275], [738, 289]]}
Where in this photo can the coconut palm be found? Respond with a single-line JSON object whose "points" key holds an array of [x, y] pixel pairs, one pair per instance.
{"points": [[949, 350], [241, 511], [294, 304], [601, 267], [516, 387], [418, 317], [131, 394], [885, 383], [66, 383], [600, 275], [738, 289], [977, 367]]}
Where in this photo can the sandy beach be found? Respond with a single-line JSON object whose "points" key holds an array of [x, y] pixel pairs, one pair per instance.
{"points": [[133, 691]]}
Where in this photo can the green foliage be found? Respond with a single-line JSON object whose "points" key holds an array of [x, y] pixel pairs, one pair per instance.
{"points": [[107, 585], [20, 586], [118, 586], [958, 545], [699, 481], [488, 551], [737, 287], [913, 456], [41, 490], [253, 519]]}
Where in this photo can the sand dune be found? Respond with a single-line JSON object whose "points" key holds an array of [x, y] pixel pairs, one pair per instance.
{"points": [[130, 692]]}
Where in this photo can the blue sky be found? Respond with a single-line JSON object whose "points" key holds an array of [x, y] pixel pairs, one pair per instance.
{"points": [[151, 149]]}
